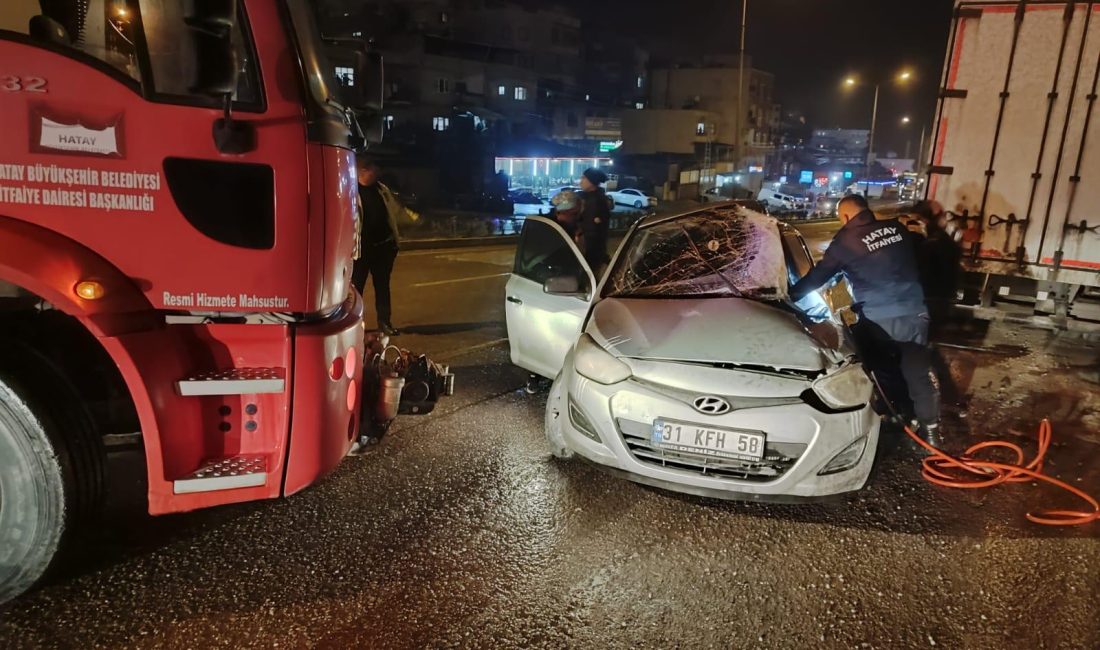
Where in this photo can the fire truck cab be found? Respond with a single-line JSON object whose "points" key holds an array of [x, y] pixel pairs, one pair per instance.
{"points": [[178, 221]]}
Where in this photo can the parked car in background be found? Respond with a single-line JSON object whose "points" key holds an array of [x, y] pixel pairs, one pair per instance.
{"points": [[523, 196], [633, 198], [825, 206], [527, 203], [557, 190], [779, 202], [713, 195], [685, 367]]}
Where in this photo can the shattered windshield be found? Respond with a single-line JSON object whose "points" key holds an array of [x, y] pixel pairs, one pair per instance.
{"points": [[728, 251]]}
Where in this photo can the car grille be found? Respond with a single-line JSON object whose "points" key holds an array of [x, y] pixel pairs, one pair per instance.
{"points": [[779, 457]]}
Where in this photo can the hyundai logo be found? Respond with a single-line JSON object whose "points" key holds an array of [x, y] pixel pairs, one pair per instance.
{"points": [[711, 405]]}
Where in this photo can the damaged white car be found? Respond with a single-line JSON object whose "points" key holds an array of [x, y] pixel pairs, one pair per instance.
{"points": [[686, 367]]}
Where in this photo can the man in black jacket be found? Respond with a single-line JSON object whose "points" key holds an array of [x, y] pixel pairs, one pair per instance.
{"points": [[378, 242], [939, 257], [879, 260], [595, 219]]}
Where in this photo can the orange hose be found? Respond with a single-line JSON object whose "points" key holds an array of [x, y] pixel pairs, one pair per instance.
{"points": [[969, 473]]}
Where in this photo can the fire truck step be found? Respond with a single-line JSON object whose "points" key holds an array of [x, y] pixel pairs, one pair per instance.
{"points": [[225, 474], [234, 381]]}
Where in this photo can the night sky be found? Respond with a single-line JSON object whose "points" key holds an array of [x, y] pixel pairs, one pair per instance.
{"points": [[810, 45]]}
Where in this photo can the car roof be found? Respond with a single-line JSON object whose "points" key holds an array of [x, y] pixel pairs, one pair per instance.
{"points": [[730, 207]]}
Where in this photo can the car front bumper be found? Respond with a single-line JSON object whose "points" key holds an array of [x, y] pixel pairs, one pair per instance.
{"points": [[619, 414]]}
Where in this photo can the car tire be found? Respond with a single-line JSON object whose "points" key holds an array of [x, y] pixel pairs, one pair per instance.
{"points": [[51, 469], [555, 419], [638, 205]]}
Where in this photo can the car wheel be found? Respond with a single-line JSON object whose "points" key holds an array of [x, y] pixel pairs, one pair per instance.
{"points": [[638, 205], [555, 420], [51, 471]]}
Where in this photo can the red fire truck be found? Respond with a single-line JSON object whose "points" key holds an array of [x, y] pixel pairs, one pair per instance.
{"points": [[178, 221]]}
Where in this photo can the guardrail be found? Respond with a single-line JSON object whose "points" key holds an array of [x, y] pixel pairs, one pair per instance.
{"points": [[458, 225]]}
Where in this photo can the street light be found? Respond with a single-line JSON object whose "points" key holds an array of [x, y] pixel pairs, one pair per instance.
{"points": [[851, 82], [905, 120]]}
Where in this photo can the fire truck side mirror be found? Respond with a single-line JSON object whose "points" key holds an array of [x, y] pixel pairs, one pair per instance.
{"points": [[373, 75], [212, 23], [218, 16], [217, 68]]}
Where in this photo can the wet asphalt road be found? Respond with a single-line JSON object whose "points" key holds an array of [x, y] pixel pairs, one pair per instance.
{"points": [[460, 530]]}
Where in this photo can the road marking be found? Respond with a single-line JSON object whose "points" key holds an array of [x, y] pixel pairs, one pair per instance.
{"points": [[475, 278], [458, 249]]}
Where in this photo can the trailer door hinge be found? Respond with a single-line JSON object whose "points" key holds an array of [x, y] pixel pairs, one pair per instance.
{"points": [[1083, 227]]}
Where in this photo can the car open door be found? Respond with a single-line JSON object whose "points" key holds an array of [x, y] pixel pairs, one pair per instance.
{"points": [[548, 297]]}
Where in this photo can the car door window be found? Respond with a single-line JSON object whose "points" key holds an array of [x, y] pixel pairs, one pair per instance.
{"points": [[544, 253], [799, 261]]}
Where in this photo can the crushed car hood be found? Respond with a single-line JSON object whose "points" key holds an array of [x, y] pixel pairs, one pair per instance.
{"points": [[710, 330]]}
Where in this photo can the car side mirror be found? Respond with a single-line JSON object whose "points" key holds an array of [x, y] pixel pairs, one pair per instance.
{"points": [[563, 285]]}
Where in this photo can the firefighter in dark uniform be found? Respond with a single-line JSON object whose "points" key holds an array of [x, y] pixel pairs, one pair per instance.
{"points": [[595, 219], [879, 260]]}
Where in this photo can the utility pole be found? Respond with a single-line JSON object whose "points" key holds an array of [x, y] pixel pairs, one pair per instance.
{"points": [[871, 144], [919, 165], [740, 140]]}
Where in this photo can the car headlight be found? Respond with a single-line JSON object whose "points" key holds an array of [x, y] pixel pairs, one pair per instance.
{"points": [[597, 364], [846, 459], [847, 388]]}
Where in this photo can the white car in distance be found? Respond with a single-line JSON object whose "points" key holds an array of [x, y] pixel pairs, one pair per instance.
{"points": [[685, 367], [632, 198]]}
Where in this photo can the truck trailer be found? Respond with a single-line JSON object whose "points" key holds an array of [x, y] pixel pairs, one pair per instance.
{"points": [[1016, 153]]}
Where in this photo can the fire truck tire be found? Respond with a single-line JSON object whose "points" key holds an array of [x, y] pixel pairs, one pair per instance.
{"points": [[51, 469]]}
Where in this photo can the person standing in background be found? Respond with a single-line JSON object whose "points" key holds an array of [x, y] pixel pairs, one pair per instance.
{"points": [[567, 206], [378, 238], [595, 219], [939, 257]]}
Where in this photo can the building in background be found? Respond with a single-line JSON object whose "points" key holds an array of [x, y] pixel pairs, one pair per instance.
{"points": [[840, 146], [696, 120], [472, 81]]}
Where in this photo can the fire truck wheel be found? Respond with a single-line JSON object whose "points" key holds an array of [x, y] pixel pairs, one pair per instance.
{"points": [[50, 473]]}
